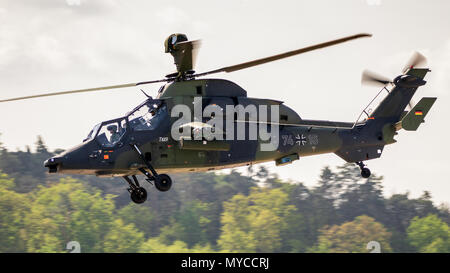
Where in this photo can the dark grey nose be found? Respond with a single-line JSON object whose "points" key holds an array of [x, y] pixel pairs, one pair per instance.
{"points": [[53, 164]]}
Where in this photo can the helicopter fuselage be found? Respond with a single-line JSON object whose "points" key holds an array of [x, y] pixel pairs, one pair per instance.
{"points": [[144, 138]]}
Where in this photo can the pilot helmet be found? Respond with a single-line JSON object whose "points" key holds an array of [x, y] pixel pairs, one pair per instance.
{"points": [[112, 128]]}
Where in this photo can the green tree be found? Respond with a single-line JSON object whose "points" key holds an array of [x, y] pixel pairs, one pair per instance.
{"points": [[255, 223], [429, 234], [68, 211], [25, 166], [154, 245], [353, 236], [326, 184], [13, 208], [211, 188], [317, 208], [142, 217], [401, 209], [123, 238], [189, 225], [40, 145], [297, 236]]}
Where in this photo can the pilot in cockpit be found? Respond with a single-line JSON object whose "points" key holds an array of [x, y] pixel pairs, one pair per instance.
{"points": [[115, 136]]}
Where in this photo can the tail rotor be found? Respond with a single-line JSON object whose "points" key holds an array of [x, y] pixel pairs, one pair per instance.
{"points": [[371, 78]]}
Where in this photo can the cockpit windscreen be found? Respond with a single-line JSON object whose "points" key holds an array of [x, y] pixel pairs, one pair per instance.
{"points": [[147, 117]]}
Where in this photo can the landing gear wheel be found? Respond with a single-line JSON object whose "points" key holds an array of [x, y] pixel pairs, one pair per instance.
{"points": [[139, 195], [365, 172], [163, 182]]}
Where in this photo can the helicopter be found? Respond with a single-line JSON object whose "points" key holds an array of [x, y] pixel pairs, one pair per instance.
{"points": [[182, 129]]}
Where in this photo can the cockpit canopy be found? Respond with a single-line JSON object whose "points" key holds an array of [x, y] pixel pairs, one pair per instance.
{"points": [[145, 117], [111, 132]]}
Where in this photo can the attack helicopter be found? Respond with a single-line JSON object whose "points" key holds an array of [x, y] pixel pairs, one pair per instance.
{"points": [[153, 138]]}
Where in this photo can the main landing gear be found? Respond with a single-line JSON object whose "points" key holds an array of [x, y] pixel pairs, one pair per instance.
{"points": [[138, 193], [162, 182], [365, 172]]}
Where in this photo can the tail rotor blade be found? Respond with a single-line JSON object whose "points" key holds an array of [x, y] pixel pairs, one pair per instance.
{"points": [[416, 59], [371, 78]]}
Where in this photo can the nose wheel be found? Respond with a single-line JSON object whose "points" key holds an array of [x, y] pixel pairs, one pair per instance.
{"points": [[365, 172]]}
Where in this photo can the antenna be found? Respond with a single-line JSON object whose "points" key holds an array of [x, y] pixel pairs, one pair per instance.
{"points": [[150, 97]]}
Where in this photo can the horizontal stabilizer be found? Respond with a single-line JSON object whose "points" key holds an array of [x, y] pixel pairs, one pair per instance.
{"points": [[412, 120]]}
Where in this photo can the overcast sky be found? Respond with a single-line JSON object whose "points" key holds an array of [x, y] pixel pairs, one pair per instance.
{"points": [[55, 45]]}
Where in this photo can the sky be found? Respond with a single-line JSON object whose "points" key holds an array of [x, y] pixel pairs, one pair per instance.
{"points": [[57, 45]]}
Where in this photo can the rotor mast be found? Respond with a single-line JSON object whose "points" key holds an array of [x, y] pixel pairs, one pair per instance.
{"points": [[184, 54]]}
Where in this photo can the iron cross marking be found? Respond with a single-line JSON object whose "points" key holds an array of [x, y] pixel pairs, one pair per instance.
{"points": [[300, 140]]}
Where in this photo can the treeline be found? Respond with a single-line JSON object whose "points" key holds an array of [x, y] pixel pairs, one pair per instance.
{"points": [[209, 212]]}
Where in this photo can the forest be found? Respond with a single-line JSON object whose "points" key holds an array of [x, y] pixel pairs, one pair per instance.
{"points": [[249, 211]]}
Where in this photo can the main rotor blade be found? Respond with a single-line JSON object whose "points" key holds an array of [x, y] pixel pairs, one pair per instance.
{"points": [[283, 55], [371, 78], [84, 90]]}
